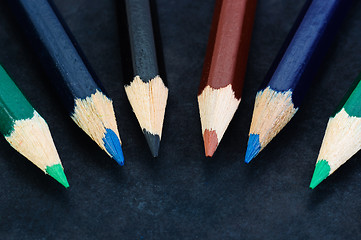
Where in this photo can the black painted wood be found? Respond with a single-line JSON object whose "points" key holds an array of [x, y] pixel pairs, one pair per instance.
{"points": [[144, 56]]}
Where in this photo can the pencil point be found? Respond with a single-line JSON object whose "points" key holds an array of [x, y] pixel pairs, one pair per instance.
{"points": [[321, 172], [113, 146], [153, 141], [253, 147], [57, 172], [210, 142]]}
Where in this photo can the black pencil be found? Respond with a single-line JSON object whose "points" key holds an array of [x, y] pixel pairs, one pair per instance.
{"points": [[146, 91], [73, 79]]}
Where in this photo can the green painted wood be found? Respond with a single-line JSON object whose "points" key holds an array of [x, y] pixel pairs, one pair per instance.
{"points": [[13, 104], [351, 102]]}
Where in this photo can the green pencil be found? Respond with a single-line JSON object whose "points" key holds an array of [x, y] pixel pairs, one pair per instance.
{"points": [[26, 130], [342, 138]]}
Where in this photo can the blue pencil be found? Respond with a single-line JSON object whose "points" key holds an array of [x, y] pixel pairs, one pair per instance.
{"points": [[73, 79], [293, 70]]}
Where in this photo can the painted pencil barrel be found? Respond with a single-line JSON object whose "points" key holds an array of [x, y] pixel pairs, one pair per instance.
{"points": [[14, 106], [305, 52], [57, 50], [142, 43]]}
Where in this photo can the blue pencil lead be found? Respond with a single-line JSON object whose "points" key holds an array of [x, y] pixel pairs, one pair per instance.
{"points": [[253, 147], [112, 145]]}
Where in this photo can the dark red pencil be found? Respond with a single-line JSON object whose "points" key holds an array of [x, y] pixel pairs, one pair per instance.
{"points": [[224, 68]]}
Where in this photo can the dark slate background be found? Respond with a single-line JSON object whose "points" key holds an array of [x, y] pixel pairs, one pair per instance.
{"points": [[181, 194]]}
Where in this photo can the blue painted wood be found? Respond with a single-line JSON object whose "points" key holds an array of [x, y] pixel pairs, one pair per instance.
{"points": [[304, 49], [57, 50]]}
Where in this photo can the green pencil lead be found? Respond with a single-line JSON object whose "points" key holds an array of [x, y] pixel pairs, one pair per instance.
{"points": [[321, 172], [57, 172]]}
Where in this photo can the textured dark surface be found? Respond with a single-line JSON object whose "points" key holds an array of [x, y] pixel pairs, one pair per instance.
{"points": [[181, 194]]}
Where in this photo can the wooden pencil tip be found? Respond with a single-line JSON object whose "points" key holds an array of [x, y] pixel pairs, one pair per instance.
{"points": [[153, 141], [113, 146], [322, 170], [149, 100], [95, 115], [210, 142], [253, 147], [57, 172]]}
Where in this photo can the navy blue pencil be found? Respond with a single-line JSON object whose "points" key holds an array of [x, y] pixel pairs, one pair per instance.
{"points": [[73, 79], [293, 70]]}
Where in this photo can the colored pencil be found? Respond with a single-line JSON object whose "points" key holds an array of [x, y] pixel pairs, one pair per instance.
{"points": [[342, 137], [146, 91], [290, 76], [73, 79], [27, 131], [224, 68]]}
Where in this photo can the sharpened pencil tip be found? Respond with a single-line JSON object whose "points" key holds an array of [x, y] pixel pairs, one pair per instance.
{"points": [[322, 170], [112, 145], [57, 172], [210, 142], [153, 141], [253, 147]]}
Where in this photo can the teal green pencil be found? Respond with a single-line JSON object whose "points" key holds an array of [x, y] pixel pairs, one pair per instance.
{"points": [[26, 130], [343, 135]]}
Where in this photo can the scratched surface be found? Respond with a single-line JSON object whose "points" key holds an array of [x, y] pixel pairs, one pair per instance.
{"points": [[181, 194]]}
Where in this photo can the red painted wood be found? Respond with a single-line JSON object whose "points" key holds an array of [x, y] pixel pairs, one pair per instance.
{"points": [[228, 45]]}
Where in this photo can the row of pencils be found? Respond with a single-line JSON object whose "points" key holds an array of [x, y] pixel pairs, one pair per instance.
{"points": [[281, 94], [277, 101], [78, 87]]}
